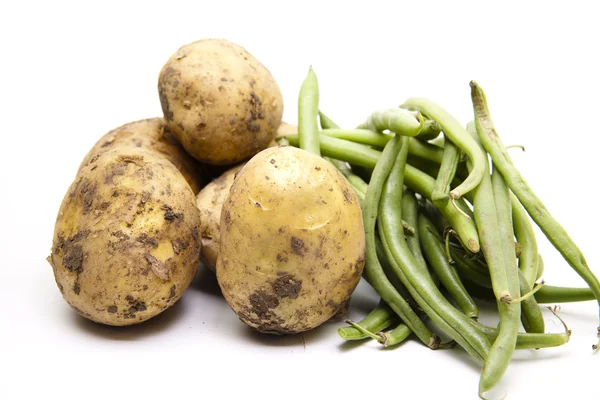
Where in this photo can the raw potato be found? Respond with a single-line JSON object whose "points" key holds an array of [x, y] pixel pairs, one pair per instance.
{"points": [[126, 243], [292, 242], [210, 202], [219, 101], [150, 134]]}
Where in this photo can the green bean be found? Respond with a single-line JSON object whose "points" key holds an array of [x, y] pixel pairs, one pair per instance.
{"points": [[326, 122], [355, 180], [373, 271], [525, 235], [557, 235], [390, 273], [468, 269], [531, 314], [419, 284], [397, 120], [423, 184], [454, 132], [440, 194], [377, 320], [526, 341], [364, 136], [431, 130], [426, 151], [435, 254], [308, 109], [396, 336], [558, 294], [410, 215], [354, 153]]}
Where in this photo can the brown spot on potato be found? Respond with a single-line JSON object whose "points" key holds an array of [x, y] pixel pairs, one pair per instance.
{"points": [[297, 245], [172, 292], [73, 258], [262, 302], [227, 219], [76, 288], [348, 196], [88, 193], [257, 204], [145, 239], [317, 168], [286, 286], [281, 258], [112, 309], [160, 269], [178, 245], [272, 161], [170, 215]]}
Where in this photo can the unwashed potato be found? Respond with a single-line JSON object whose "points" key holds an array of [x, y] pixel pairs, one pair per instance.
{"points": [[126, 243], [219, 101], [292, 242], [210, 202], [151, 134]]}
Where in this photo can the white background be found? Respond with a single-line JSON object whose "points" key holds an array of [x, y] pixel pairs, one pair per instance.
{"points": [[71, 72]]}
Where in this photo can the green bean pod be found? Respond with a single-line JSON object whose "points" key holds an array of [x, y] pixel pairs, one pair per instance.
{"points": [[373, 271], [419, 284], [395, 336], [525, 235], [455, 132], [401, 122], [410, 214], [326, 122], [431, 130], [380, 318], [441, 189], [435, 254], [363, 136], [557, 235], [308, 110], [558, 294]]}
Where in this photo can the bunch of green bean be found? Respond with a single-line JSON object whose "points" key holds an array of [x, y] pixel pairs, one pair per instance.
{"points": [[443, 229]]}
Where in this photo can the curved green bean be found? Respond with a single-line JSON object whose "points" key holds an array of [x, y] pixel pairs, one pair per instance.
{"points": [[525, 235], [373, 270], [455, 132], [435, 254], [401, 122], [431, 130], [441, 189], [558, 294], [380, 318], [395, 336], [557, 235], [410, 214], [418, 283], [308, 109]]}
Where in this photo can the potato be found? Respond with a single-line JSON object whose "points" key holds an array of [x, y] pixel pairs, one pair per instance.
{"points": [[292, 242], [219, 101], [126, 243], [151, 134], [210, 202]]}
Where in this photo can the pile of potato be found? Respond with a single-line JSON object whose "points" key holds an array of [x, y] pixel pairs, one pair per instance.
{"points": [[142, 211]]}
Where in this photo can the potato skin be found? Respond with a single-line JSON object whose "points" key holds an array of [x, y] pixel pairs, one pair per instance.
{"points": [[151, 134], [210, 202], [292, 242], [219, 101], [126, 243]]}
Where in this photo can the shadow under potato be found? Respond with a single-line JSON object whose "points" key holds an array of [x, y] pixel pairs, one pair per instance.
{"points": [[205, 281], [150, 327]]}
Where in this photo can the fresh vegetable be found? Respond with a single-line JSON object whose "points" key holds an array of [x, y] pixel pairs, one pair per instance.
{"points": [[210, 202], [220, 102], [151, 134], [126, 243]]}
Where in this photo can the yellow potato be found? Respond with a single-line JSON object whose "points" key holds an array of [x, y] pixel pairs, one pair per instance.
{"points": [[292, 242], [210, 202], [219, 101], [151, 134], [126, 243]]}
